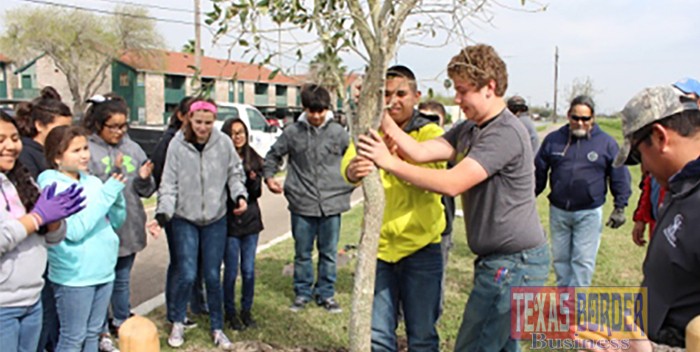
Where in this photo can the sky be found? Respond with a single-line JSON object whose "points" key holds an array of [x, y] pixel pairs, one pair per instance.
{"points": [[622, 46]]}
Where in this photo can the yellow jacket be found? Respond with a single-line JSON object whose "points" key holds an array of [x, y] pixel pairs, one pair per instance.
{"points": [[413, 217]]}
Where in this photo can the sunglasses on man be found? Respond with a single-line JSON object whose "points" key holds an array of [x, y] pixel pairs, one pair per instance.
{"points": [[581, 118]]}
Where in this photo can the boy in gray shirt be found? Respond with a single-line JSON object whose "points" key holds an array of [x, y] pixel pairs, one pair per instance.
{"points": [[494, 174]]}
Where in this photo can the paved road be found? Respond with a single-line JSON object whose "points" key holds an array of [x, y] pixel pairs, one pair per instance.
{"points": [[148, 275]]}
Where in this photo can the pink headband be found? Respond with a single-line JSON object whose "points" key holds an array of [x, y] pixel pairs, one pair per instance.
{"points": [[203, 105]]}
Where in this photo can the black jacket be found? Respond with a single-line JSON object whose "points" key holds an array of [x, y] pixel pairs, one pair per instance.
{"points": [[249, 222], [672, 265], [32, 157], [159, 153]]}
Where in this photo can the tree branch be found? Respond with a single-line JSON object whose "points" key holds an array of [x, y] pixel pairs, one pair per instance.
{"points": [[360, 23]]}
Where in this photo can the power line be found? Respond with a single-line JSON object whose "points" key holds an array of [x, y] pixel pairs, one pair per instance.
{"points": [[75, 7], [165, 8]]}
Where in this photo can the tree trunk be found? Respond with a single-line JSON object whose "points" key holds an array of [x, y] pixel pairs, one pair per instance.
{"points": [[370, 110]]}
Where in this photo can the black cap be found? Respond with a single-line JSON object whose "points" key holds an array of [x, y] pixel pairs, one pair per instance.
{"points": [[516, 102]]}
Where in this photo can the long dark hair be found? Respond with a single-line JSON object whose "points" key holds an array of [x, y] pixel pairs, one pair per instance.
{"points": [[58, 140], [251, 160], [583, 100], [101, 109], [20, 176], [43, 109], [182, 108]]}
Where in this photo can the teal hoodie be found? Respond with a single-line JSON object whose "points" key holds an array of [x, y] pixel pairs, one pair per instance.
{"points": [[89, 253]]}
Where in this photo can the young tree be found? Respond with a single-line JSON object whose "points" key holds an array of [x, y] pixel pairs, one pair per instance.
{"points": [[83, 45], [371, 29], [582, 86]]}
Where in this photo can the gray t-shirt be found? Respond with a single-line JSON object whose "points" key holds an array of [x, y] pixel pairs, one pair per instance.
{"points": [[500, 212]]}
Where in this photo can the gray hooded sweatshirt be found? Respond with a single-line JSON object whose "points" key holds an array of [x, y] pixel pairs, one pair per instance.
{"points": [[314, 185], [132, 235], [22, 257], [193, 185]]}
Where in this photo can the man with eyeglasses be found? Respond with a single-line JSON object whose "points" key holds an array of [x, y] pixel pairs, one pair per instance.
{"points": [[661, 127], [652, 194], [577, 159]]}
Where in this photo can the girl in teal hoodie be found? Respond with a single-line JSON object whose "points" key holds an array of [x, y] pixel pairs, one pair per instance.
{"points": [[82, 266]]}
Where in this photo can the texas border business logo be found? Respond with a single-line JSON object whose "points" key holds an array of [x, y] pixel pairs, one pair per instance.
{"points": [[578, 317]]}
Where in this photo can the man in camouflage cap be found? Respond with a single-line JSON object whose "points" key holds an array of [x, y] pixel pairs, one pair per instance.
{"points": [[661, 127]]}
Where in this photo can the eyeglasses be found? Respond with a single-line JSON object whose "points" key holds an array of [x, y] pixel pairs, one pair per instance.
{"points": [[635, 155], [581, 118], [116, 128]]}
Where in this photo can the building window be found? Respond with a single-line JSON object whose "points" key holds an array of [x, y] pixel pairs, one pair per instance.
{"points": [[123, 79], [261, 88], [241, 92], [170, 108], [140, 79], [26, 82], [174, 82], [209, 86], [281, 95]]}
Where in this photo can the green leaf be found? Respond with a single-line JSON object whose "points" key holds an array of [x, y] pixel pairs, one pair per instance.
{"points": [[273, 74], [243, 42]]}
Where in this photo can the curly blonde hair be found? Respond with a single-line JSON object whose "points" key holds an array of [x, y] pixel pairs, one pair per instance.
{"points": [[479, 64]]}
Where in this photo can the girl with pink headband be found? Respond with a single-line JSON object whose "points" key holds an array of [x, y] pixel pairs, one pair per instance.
{"points": [[201, 169]]}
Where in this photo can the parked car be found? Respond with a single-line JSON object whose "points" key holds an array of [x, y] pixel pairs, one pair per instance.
{"points": [[8, 106]]}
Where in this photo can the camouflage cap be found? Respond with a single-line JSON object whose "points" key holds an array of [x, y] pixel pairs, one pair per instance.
{"points": [[649, 105]]}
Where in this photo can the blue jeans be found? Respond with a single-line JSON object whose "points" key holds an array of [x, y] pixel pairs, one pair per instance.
{"points": [[193, 242], [575, 242], [121, 297], [49, 325], [20, 328], [415, 282], [198, 304], [325, 230], [486, 320], [239, 250], [81, 312]]}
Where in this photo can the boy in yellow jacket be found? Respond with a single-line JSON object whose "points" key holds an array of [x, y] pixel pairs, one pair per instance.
{"points": [[409, 260]]}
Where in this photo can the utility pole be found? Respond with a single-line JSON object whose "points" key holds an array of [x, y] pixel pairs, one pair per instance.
{"points": [[197, 46], [556, 79], [279, 45]]}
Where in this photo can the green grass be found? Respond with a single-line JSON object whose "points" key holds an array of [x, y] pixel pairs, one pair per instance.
{"points": [[619, 263]]}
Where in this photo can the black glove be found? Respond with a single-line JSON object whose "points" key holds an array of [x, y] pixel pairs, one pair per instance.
{"points": [[617, 218], [162, 219]]}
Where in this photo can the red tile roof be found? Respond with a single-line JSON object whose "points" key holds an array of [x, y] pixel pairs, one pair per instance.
{"points": [[171, 62], [5, 59]]}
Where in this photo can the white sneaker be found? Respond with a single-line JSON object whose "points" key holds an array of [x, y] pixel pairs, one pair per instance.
{"points": [[221, 341], [106, 344], [177, 335]]}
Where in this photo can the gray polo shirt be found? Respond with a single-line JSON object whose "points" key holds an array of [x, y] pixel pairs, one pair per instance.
{"points": [[500, 212]]}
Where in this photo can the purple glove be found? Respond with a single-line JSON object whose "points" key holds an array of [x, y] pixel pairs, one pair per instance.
{"points": [[52, 207]]}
